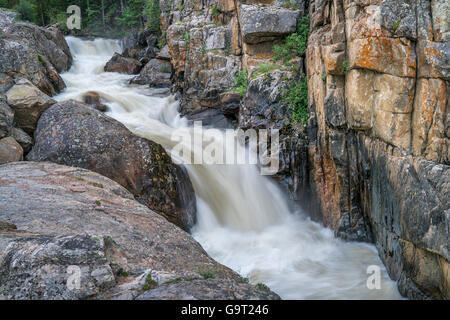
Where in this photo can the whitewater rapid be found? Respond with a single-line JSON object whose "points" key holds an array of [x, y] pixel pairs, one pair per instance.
{"points": [[244, 220]]}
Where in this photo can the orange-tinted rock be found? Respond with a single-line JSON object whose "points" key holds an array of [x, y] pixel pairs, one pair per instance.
{"points": [[394, 56], [429, 118]]}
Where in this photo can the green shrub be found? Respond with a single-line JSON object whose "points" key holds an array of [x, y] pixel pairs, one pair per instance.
{"points": [[295, 44], [180, 7], [265, 68], [345, 66], [297, 98], [153, 12], [262, 286], [149, 283], [26, 9], [214, 11], [186, 36], [396, 24], [241, 82]]}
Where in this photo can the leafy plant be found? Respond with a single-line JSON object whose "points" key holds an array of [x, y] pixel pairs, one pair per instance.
{"points": [[149, 283], [297, 98], [289, 5], [153, 12], [345, 66], [265, 68], [295, 44], [262, 286], [214, 11], [396, 24], [26, 9], [241, 82], [181, 7], [244, 280], [186, 36]]}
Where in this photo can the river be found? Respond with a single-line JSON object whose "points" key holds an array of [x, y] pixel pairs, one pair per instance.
{"points": [[244, 220]]}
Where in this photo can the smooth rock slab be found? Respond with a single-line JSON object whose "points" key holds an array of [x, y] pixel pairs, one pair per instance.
{"points": [[56, 207], [211, 289]]}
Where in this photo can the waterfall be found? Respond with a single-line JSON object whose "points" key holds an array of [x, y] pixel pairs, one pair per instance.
{"points": [[244, 220]]}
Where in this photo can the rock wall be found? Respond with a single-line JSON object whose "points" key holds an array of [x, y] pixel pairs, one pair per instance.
{"points": [[378, 79], [209, 42]]}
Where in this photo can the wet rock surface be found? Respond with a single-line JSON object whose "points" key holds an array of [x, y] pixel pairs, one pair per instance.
{"points": [[74, 134], [55, 217], [121, 64]]}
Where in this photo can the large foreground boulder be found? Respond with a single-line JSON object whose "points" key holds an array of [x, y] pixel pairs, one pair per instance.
{"points": [[75, 134], [80, 235]]}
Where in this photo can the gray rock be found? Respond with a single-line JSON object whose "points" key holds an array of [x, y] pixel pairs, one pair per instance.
{"points": [[10, 150], [400, 17], [122, 64], [25, 141], [156, 73], [266, 23], [6, 118], [70, 216], [43, 266], [211, 289], [75, 134], [164, 53]]}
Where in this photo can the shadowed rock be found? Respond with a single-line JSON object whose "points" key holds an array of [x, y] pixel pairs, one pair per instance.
{"points": [[74, 134]]}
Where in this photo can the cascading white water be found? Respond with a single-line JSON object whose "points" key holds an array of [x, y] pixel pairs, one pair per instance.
{"points": [[243, 218]]}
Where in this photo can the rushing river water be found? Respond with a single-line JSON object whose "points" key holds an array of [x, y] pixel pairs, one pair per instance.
{"points": [[244, 221]]}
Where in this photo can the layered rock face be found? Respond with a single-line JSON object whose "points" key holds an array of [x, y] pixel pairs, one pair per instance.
{"points": [[75, 134], [31, 58], [378, 82], [209, 43], [69, 233]]}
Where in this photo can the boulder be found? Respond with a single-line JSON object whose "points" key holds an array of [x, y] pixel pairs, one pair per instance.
{"points": [[63, 222], [32, 52], [25, 141], [156, 73], [6, 118], [121, 64], [266, 23], [164, 53], [93, 98], [10, 150], [28, 103], [48, 42], [211, 289], [74, 134]]}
